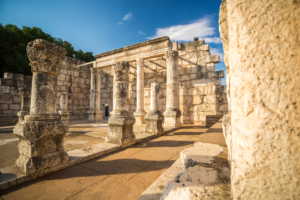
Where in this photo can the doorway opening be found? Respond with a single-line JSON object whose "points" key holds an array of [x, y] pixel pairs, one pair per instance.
{"points": [[106, 110]]}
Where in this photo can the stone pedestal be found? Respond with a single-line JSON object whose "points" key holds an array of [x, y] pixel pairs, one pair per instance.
{"points": [[41, 133], [172, 113], [25, 103], [154, 117], [139, 114], [120, 124], [63, 112]]}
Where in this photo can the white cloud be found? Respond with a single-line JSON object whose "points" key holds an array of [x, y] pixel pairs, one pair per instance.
{"points": [[127, 17], [201, 28], [215, 51], [120, 23], [142, 33], [215, 40]]}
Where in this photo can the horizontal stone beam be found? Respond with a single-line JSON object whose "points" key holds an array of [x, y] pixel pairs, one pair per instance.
{"points": [[145, 51]]}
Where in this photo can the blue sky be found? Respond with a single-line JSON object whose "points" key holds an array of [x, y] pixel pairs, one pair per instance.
{"points": [[100, 26]]}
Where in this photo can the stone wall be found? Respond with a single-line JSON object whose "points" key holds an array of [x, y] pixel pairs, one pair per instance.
{"points": [[201, 92], [262, 55], [73, 80], [76, 82], [10, 98]]}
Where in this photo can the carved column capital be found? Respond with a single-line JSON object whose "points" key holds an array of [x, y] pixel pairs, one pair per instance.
{"points": [[45, 56], [25, 92], [172, 55], [139, 61]]}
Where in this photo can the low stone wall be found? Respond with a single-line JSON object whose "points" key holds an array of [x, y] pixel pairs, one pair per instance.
{"points": [[73, 80], [10, 98]]}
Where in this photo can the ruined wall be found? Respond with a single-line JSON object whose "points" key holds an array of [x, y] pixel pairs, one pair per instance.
{"points": [[262, 55], [10, 98], [73, 80], [76, 82], [201, 92]]}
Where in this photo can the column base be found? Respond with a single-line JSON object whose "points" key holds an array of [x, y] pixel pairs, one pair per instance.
{"points": [[91, 115], [120, 129], [154, 123], [98, 115], [139, 117], [172, 119], [64, 116], [40, 143], [21, 114]]}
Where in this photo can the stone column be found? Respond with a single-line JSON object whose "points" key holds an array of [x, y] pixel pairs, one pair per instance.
{"points": [[154, 117], [41, 134], [262, 56], [172, 113], [121, 122], [63, 112], [25, 103], [140, 113], [91, 112], [98, 111]]}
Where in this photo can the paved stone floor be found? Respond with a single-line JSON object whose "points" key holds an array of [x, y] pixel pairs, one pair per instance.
{"points": [[123, 174], [79, 136]]}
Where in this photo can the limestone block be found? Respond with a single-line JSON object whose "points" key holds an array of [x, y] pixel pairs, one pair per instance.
{"points": [[62, 77], [3, 106], [203, 47], [6, 82], [38, 156], [7, 112], [199, 183], [17, 99], [19, 77], [8, 75], [4, 89], [200, 153], [184, 78], [14, 107]]}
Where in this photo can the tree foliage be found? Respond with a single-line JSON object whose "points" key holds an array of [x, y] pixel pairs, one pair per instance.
{"points": [[13, 43]]}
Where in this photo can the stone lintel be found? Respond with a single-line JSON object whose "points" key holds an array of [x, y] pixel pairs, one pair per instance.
{"points": [[147, 50]]}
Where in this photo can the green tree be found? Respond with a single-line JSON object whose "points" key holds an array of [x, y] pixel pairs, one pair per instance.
{"points": [[13, 43]]}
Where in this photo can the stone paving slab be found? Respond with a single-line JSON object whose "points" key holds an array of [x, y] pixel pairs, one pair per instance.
{"points": [[127, 172], [213, 135]]}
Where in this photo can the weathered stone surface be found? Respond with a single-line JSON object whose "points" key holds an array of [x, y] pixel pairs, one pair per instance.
{"points": [[63, 112], [261, 48], [200, 153], [139, 114], [172, 113], [154, 117], [25, 104], [121, 121], [41, 134]]}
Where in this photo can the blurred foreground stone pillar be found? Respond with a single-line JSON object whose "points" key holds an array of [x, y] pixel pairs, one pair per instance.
{"points": [[139, 114], [154, 117], [172, 113], [262, 55], [25, 103], [121, 121], [63, 112], [41, 133]]}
